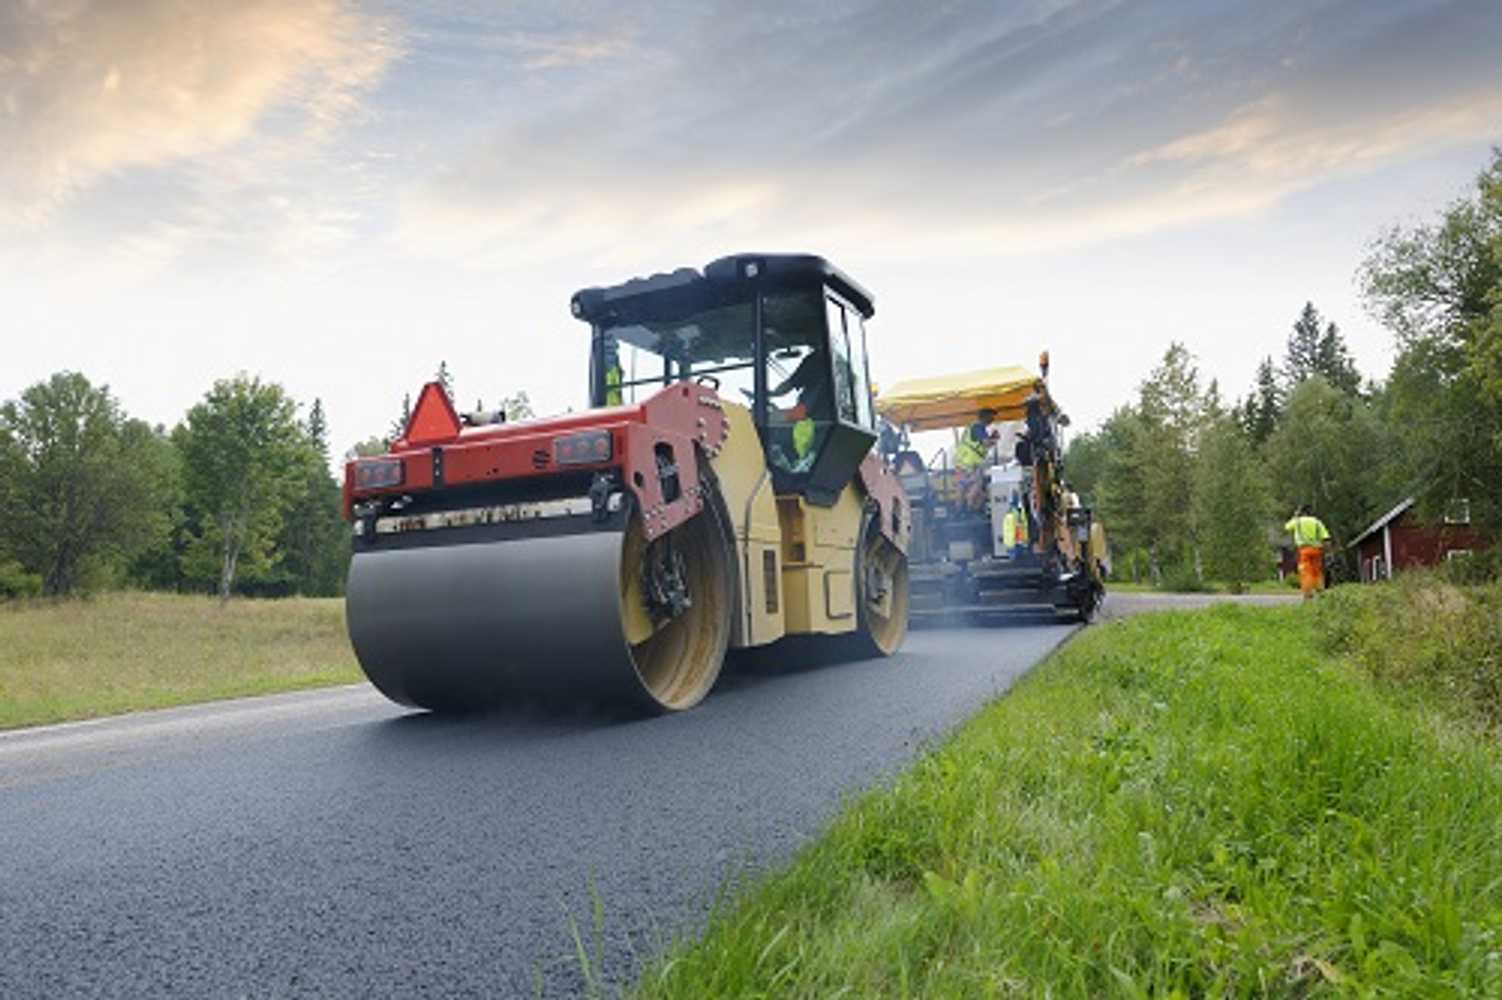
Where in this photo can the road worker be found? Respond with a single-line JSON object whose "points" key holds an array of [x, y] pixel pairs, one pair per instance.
{"points": [[888, 439], [1014, 529], [972, 456], [1309, 537], [614, 374], [811, 380]]}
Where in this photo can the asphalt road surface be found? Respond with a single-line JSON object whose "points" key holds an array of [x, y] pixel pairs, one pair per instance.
{"points": [[330, 844], [1123, 605]]}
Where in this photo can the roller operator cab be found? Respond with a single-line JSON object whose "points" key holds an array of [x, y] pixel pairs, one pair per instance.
{"points": [[783, 336], [721, 492]]}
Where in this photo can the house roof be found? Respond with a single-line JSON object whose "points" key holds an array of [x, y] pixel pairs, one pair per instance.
{"points": [[1380, 523]]}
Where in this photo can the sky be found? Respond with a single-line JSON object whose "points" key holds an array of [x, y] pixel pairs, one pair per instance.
{"points": [[338, 195]]}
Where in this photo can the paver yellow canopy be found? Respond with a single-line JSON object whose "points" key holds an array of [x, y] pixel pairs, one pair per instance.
{"points": [[924, 404], [1006, 530], [720, 492]]}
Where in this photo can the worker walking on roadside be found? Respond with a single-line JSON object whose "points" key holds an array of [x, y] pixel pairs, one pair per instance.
{"points": [[1309, 537]]}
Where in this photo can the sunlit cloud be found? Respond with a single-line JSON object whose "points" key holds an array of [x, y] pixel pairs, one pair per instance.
{"points": [[1280, 140], [90, 89]]}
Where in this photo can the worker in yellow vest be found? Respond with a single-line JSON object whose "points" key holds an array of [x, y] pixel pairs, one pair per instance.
{"points": [[972, 455], [1309, 537], [1014, 531], [614, 374]]}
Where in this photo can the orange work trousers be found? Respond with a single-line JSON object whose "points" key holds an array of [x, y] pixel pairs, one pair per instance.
{"points": [[1311, 569]]}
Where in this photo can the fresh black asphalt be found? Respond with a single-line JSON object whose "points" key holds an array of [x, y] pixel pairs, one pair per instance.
{"points": [[330, 844]]}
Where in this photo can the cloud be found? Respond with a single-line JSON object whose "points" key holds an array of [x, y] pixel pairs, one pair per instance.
{"points": [[1281, 141], [541, 51], [964, 127], [90, 89]]}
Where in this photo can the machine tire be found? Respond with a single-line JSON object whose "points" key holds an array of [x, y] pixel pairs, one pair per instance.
{"points": [[875, 636], [708, 622], [1084, 613]]}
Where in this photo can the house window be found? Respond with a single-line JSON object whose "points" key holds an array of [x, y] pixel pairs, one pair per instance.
{"points": [[1458, 512], [1452, 554]]}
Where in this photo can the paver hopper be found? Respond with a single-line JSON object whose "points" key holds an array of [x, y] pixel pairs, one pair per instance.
{"points": [[721, 492]]}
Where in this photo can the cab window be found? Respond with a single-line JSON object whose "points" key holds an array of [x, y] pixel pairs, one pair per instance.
{"points": [[800, 401], [642, 356], [847, 338]]}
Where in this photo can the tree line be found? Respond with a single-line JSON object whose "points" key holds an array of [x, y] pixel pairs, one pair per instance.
{"points": [[1193, 489], [237, 498]]}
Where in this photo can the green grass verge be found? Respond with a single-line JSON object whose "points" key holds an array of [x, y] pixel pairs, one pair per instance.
{"points": [[1181, 804], [126, 651], [1425, 637], [1260, 587]]}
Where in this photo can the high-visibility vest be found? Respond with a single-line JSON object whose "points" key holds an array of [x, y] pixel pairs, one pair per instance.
{"points": [[1021, 528], [803, 437], [969, 453], [1009, 529], [613, 385], [1306, 531]]}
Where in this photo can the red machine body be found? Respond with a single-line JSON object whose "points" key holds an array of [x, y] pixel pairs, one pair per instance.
{"points": [[641, 443]]}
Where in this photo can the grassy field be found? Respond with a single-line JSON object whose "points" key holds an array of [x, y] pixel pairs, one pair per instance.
{"points": [[1181, 804], [122, 652]]}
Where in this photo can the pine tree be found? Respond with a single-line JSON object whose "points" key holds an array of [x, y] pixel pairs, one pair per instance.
{"points": [[313, 547], [1261, 410], [1316, 348], [444, 378], [1334, 362], [1212, 406], [318, 430], [1301, 357], [399, 427]]}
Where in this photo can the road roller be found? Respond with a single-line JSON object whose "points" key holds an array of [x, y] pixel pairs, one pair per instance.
{"points": [[720, 492]]}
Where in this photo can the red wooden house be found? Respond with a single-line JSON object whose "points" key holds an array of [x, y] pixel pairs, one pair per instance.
{"points": [[1398, 540]]}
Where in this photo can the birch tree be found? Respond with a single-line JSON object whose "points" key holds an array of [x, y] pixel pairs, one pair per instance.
{"points": [[242, 449]]}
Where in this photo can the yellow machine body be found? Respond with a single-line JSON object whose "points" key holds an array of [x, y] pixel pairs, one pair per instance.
{"points": [[796, 561]]}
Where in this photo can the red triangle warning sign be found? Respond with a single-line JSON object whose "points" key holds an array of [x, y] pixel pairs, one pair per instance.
{"points": [[433, 418]]}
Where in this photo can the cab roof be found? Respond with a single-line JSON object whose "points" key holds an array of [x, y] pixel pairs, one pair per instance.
{"points": [[723, 281]]}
